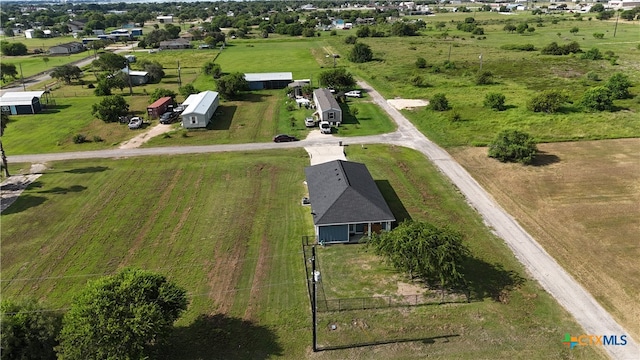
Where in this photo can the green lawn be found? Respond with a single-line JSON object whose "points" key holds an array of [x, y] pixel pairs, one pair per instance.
{"points": [[32, 64], [227, 227]]}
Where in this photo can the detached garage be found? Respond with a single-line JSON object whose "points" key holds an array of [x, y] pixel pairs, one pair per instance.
{"points": [[199, 109], [19, 103], [260, 81]]}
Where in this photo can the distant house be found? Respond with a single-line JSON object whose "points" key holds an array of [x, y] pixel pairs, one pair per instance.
{"points": [[259, 81], [19, 103], [327, 108], [165, 19], [175, 44], [345, 202], [199, 109], [297, 86], [136, 32], [68, 48], [75, 26], [137, 77], [29, 33]]}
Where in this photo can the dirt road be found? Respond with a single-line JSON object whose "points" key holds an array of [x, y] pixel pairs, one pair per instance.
{"points": [[554, 279]]}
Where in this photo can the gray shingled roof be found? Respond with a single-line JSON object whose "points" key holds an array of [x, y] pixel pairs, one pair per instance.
{"points": [[326, 101], [343, 192]]}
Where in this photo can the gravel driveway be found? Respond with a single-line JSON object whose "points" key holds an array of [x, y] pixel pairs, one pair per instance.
{"points": [[541, 266]]}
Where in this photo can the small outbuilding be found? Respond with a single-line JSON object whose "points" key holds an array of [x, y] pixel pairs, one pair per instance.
{"points": [[345, 202], [327, 108], [199, 109], [20, 103], [175, 44], [277, 80], [137, 77], [165, 19], [159, 107]]}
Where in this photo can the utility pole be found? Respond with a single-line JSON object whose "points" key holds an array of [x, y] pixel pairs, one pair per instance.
{"points": [[129, 76], [616, 28], [179, 78], [480, 61], [313, 298], [22, 77]]}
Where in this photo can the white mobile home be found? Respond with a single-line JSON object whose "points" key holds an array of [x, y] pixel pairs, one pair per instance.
{"points": [[327, 108], [200, 108]]}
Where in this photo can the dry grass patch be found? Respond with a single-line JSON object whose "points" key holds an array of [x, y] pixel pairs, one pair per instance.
{"points": [[581, 204]]}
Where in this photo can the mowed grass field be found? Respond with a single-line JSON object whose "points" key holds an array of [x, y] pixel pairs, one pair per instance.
{"points": [[581, 204], [227, 227]]}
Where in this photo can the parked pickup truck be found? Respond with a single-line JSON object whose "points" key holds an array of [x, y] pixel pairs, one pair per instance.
{"points": [[325, 127]]}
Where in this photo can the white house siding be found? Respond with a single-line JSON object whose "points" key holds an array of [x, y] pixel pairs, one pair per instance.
{"points": [[200, 110]]}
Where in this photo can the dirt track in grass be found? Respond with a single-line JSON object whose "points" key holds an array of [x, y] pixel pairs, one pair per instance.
{"points": [[582, 203]]}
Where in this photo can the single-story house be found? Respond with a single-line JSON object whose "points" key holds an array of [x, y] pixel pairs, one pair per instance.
{"points": [[345, 202], [259, 81], [327, 108], [165, 19], [19, 103], [68, 48], [175, 44], [159, 107], [137, 77], [199, 108], [297, 86], [75, 25]]}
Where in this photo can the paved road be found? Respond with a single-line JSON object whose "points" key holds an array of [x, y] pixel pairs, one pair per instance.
{"points": [[554, 279]]}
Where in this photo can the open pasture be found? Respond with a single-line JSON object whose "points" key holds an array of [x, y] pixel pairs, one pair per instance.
{"points": [[580, 202], [519, 75], [227, 227]]}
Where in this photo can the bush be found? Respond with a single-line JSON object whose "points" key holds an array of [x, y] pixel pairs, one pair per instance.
{"points": [[548, 101], [619, 85], [333, 33], [597, 99], [513, 146], [484, 78], [97, 138], [598, 35], [555, 49], [350, 39], [495, 101], [417, 80], [360, 53], [593, 76], [523, 47], [592, 54], [478, 31], [439, 102], [455, 116], [79, 139], [421, 63]]}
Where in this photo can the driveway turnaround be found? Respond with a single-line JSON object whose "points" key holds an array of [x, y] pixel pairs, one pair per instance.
{"points": [[593, 318]]}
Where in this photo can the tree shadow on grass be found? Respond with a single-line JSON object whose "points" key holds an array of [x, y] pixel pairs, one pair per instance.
{"points": [[543, 159], [395, 204], [486, 280], [222, 337], [17, 204], [63, 190], [87, 170]]}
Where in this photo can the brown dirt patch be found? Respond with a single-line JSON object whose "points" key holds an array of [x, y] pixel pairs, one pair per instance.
{"points": [[581, 204]]}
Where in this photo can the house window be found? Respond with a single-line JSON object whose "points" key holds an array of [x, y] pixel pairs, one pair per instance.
{"points": [[332, 115], [193, 119]]}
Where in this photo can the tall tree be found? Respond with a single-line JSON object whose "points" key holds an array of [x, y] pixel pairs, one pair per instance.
{"points": [[360, 53], [66, 73], [110, 108], [423, 250], [28, 330], [229, 86], [124, 316], [111, 62], [8, 70], [337, 78]]}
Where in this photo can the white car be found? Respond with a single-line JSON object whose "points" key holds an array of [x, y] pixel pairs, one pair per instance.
{"points": [[135, 122], [353, 93]]}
